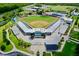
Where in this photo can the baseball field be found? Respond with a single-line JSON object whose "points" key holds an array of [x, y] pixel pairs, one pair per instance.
{"points": [[39, 21]]}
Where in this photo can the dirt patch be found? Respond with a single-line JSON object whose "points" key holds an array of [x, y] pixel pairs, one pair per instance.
{"points": [[39, 24]]}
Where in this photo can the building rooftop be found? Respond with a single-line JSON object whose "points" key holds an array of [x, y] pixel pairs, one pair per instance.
{"points": [[66, 19], [53, 27], [55, 14], [26, 29], [54, 40], [23, 26]]}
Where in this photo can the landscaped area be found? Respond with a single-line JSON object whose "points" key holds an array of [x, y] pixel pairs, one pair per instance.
{"points": [[19, 43], [75, 35], [47, 35], [62, 8], [69, 50], [39, 21], [5, 45], [46, 53]]}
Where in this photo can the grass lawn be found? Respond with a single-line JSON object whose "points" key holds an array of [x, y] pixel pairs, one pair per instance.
{"points": [[47, 54], [74, 34], [69, 50], [61, 8], [7, 47], [39, 21], [19, 45], [1, 19]]}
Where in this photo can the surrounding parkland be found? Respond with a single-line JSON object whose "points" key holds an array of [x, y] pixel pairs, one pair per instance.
{"points": [[39, 29]]}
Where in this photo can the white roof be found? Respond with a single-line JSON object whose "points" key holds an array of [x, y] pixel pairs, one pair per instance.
{"points": [[43, 30], [31, 9], [66, 18], [54, 40], [23, 26], [75, 13], [50, 13], [53, 27]]}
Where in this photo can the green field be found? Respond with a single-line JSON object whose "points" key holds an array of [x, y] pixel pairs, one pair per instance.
{"points": [[19, 43], [7, 47], [39, 21], [69, 50], [61, 8], [1, 19], [74, 34]]}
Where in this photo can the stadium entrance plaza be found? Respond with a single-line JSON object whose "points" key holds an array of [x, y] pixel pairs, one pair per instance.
{"points": [[38, 44]]}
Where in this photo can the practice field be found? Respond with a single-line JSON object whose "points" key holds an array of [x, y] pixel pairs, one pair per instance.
{"points": [[62, 8], [39, 21]]}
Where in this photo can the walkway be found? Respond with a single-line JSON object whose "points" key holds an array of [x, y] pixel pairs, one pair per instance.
{"points": [[76, 29], [14, 48], [74, 40]]}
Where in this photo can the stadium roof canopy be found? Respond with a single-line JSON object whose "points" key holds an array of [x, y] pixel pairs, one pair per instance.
{"points": [[24, 27], [55, 14], [53, 27]]}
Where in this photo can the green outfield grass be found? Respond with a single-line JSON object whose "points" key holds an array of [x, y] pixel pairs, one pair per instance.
{"points": [[39, 21]]}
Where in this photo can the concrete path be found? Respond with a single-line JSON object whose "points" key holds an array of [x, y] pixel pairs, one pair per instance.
{"points": [[11, 43], [74, 40], [14, 48], [76, 29]]}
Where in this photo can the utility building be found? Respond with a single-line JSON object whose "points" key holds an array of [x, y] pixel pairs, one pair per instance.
{"points": [[67, 20], [52, 44]]}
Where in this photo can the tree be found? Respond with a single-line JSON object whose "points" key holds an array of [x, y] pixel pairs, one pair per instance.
{"points": [[77, 50], [4, 36], [3, 47], [38, 5], [76, 9], [19, 9], [78, 23], [25, 45], [40, 12], [30, 13], [44, 53], [7, 42], [59, 44], [62, 39], [38, 53]]}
